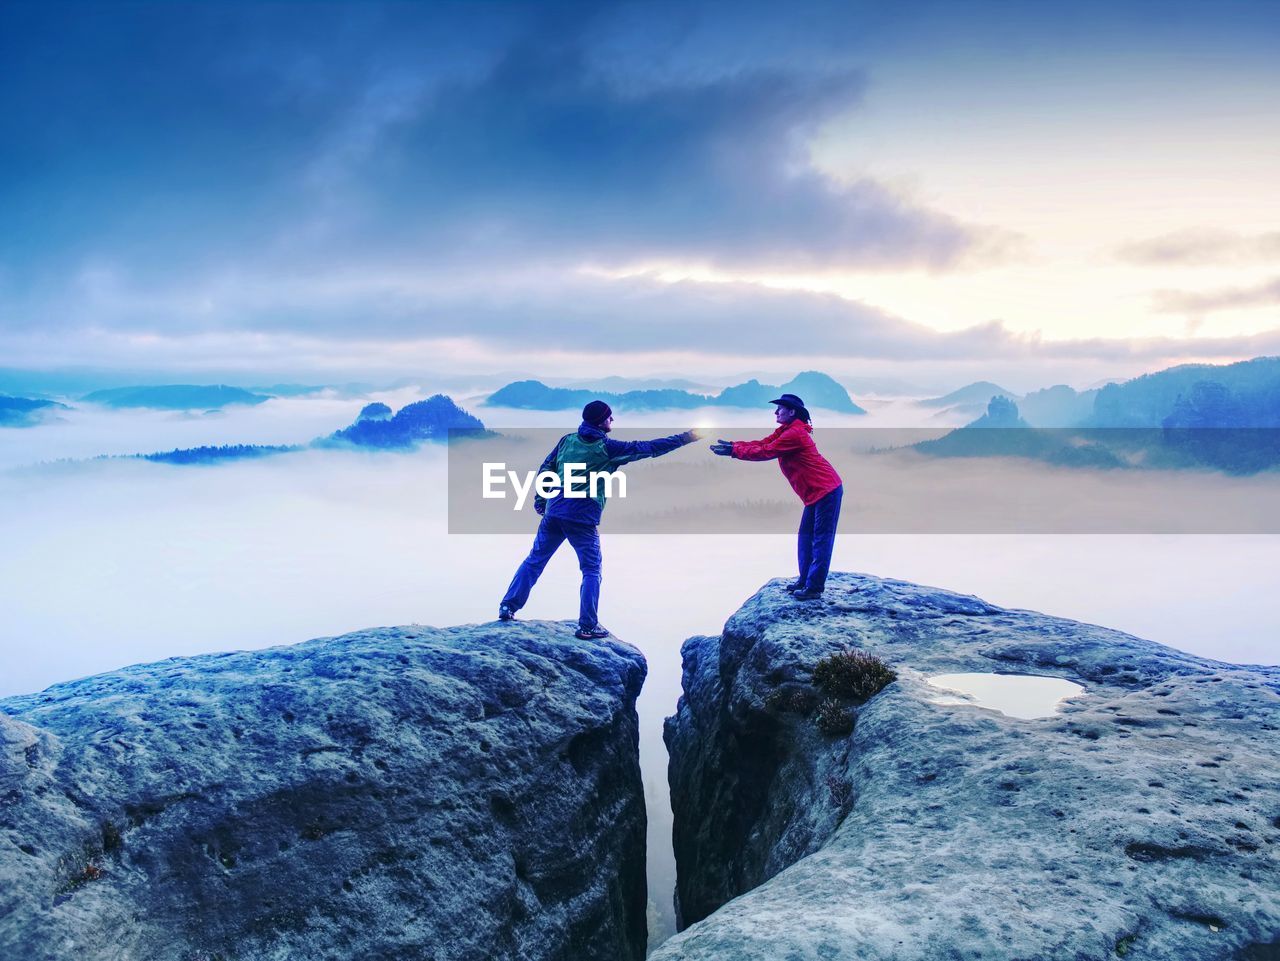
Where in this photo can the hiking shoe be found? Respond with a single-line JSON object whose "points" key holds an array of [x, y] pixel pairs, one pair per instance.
{"points": [[807, 595], [591, 633], [505, 613], [792, 588]]}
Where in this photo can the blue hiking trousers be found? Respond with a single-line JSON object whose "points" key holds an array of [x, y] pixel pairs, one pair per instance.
{"points": [[552, 532], [817, 538]]}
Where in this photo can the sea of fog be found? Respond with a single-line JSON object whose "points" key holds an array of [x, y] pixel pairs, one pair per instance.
{"points": [[112, 562]]}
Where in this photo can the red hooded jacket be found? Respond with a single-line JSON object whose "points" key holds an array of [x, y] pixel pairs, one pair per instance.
{"points": [[811, 475]]}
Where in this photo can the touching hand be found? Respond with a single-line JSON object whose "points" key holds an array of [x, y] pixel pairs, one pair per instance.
{"points": [[722, 447]]}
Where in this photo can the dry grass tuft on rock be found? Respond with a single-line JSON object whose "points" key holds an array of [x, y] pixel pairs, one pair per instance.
{"points": [[853, 674], [835, 718], [841, 792], [792, 700]]}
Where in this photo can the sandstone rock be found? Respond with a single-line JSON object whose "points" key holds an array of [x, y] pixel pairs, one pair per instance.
{"points": [[1142, 821], [409, 793]]}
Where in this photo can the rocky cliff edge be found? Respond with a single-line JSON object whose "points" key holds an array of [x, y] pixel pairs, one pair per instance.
{"points": [[409, 793], [1140, 821]]}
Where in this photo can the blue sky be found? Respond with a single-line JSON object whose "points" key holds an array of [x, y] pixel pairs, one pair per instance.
{"points": [[694, 186]]}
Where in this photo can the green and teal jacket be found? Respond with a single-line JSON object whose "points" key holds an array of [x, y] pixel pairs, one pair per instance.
{"points": [[591, 450]]}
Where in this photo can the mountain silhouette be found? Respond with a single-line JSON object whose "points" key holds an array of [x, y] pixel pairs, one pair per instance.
{"points": [[817, 389]]}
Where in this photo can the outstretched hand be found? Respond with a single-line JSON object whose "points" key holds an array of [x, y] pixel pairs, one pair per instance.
{"points": [[722, 447]]}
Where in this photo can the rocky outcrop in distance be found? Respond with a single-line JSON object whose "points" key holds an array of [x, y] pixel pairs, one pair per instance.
{"points": [[375, 428], [412, 424], [1142, 821], [413, 793]]}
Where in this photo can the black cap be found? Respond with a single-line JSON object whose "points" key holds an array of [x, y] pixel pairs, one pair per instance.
{"points": [[596, 412], [795, 403]]}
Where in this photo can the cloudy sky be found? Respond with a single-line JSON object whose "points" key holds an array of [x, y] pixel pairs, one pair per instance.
{"points": [[1074, 190]]}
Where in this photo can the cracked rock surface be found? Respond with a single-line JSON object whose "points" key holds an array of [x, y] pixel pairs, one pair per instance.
{"points": [[1142, 821], [410, 793]]}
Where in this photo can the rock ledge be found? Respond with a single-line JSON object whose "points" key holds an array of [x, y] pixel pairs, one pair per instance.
{"points": [[467, 793], [1143, 821]]}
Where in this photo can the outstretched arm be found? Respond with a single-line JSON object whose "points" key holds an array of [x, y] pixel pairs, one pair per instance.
{"points": [[625, 451], [779, 442]]}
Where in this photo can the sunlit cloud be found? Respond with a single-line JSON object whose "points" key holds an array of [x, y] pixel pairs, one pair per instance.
{"points": [[1197, 246], [443, 325], [1197, 303]]}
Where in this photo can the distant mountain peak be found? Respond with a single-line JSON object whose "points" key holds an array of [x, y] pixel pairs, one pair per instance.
{"points": [[978, 392], [175, 397], [423, 420], [818, 390], [25, 411]]}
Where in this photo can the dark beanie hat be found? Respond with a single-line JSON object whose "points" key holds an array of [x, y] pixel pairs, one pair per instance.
{"points": [[596, 411]]}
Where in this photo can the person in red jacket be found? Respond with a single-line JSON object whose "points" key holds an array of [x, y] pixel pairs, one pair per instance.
{"points": [[813, 479]]}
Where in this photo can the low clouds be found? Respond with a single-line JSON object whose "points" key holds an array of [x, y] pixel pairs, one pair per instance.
{"points": [[1205, 247], [533, 309], [1196, 303], [537, 320], [1198, 246]]}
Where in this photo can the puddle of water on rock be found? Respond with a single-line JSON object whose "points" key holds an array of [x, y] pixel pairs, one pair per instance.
{"points": [[1026, 696]]}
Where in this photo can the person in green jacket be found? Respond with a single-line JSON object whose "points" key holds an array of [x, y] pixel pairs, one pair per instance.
{"points": [[576, 519]]}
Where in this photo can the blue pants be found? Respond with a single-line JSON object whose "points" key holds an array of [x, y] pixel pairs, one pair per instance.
{"points": [[552, 532], [817, 538]]}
